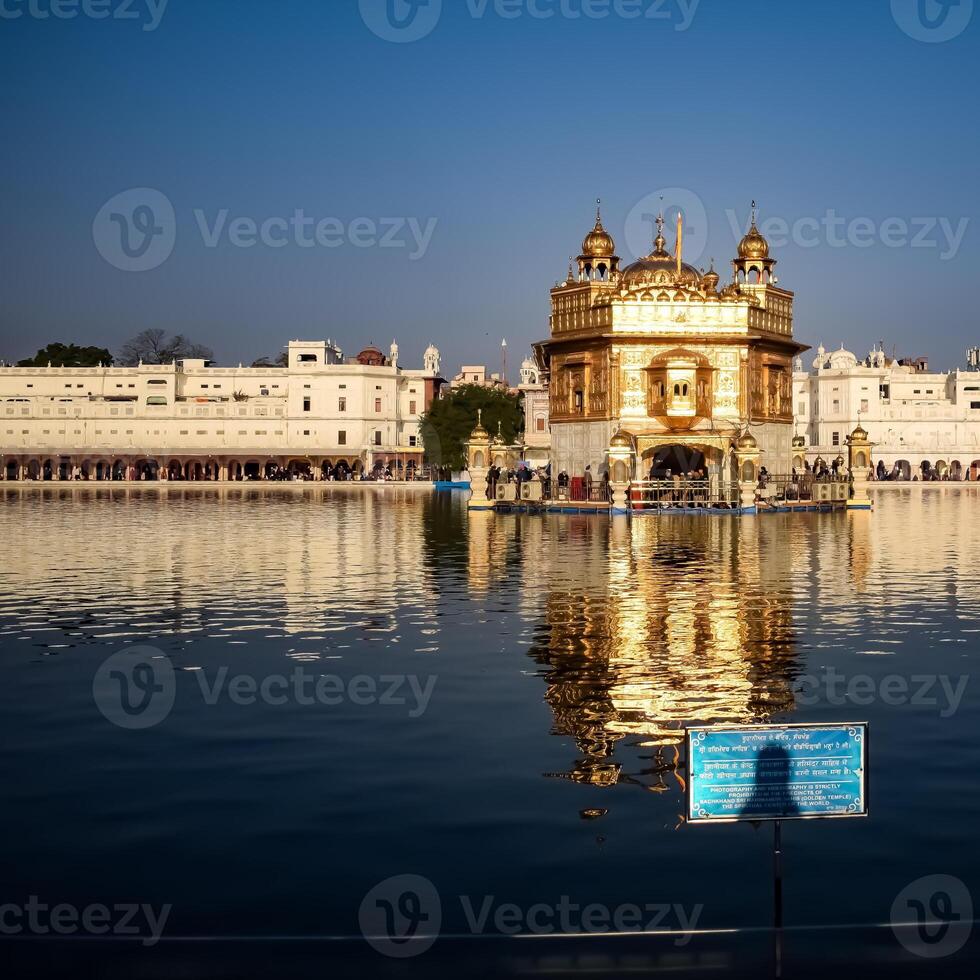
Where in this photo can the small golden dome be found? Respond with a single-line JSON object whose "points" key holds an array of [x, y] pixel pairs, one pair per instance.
{"points": [[479, 434], [753, 245], [746, 441], [711, 279], [620, 441], [859, 434], [598, 243]]}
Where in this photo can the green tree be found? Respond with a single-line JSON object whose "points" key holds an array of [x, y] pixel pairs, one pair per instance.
{"points": [[68, 355], [450, 420]]}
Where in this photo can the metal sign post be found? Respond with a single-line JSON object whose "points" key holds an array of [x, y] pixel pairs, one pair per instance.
{"points": [[774, 773], [777, 896]]}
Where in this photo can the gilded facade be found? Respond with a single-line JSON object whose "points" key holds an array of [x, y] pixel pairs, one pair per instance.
{"points": [[662, 354]]}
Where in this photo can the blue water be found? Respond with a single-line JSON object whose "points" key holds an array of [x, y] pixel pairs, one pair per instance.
{"points": [[563, 656]]}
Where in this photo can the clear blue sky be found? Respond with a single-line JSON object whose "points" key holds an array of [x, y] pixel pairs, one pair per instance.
{"points": [[503, 129]]}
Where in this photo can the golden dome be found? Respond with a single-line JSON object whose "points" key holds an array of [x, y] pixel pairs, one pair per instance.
{"points": [[659, 268], [479, 434], [753, 245], [711, 279], [859, 434], [746, 441], [598, 243], [620, 440]]}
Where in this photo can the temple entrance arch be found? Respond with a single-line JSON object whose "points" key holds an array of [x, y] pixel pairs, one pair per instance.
{"points": [[664, 462], [11, 470]]}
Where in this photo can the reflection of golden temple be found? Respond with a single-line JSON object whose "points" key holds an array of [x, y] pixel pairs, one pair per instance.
{"points": [[653, 625]]}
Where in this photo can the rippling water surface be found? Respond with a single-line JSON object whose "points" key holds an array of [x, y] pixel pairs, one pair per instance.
{"points": [[514, 690]]}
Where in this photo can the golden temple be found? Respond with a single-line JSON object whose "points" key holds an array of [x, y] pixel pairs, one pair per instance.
{"points": [[657, 357]]}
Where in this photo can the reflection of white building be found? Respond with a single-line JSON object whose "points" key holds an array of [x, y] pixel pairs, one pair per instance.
{"points": [[914, 416], [537, 430], [190, 420]]}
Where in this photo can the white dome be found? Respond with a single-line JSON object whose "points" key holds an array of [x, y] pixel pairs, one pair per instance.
{"points": [[842, 359]]}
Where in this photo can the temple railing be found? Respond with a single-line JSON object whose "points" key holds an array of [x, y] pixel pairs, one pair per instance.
{"points": [[804, 488], [681, 493]]}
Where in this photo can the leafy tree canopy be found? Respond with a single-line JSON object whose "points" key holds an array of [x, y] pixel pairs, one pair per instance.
{"points": [[68, 355], [155, 347], [448, 423]]}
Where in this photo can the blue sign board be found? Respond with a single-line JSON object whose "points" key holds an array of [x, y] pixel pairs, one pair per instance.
{"points": [[776, 772]]}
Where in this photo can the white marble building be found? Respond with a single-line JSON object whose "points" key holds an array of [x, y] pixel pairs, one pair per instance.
{"points": [[920, 421], [320, 415], [537, 427]]}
